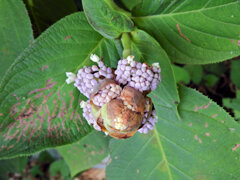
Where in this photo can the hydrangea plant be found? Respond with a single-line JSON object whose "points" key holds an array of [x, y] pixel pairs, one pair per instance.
{"points": [[110, 68]]}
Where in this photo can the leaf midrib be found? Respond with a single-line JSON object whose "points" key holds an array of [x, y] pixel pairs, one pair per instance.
{"points": [[163, 153], [187, 12]]}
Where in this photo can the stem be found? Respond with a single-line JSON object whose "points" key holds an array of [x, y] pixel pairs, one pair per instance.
{"points": [[126, 42]]}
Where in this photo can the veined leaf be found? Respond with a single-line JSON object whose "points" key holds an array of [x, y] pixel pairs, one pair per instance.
{"points": [[181, 75], [146, 49], [15, 32], [195, 72], [106, 19], [203, 144], [86, 153], [194, 32], [16, 165], [130, 4], [38, 109], [235, 73]]}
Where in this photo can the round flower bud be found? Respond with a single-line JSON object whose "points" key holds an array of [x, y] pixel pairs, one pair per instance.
{"points": [[133, 99], [120, 121]]}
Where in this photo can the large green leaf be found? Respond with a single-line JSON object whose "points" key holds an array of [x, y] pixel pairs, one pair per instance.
{"points": [[107, 18], [203, 144], [181, 75], [37, 108], [86, 153], [195, 72], [130, 4], [16, 165], [193, 32], [15, 32], [235, 73], [147, 49], [44, 12]]}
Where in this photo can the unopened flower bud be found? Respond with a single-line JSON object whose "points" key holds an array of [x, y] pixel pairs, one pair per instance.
{"points": [[70, 77], [120, 121]]}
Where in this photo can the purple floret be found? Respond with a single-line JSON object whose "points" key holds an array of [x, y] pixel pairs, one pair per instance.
{"points": [[87, 114], [138, 75], [89, 77], [106, 94], [148, 123]]}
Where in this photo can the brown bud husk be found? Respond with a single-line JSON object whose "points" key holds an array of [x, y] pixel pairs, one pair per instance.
{"points": [[122, 117], [133, 98]]}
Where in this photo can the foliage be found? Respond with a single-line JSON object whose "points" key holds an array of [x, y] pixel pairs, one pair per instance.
{"points": [[194, 137], [15, 32]]}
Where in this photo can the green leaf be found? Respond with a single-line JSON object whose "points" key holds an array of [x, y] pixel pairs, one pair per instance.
{"points": [[203, 144], [210, 80], [194, 32], [38, 110], [148, 7], [146, 49], [59, 167], [181, 75], [44, 12], [36, 171], [107, 18], [16, 165], [15, 32], [196, 72], [235, 73], [130, 4], [86, 153], [233, 104], [217, 69]]}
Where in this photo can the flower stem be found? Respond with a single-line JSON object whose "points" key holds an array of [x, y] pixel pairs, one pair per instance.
{"points": [[126, 42]]}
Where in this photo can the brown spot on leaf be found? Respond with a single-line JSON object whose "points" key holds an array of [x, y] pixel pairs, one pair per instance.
{"points": [[44, 67], [215, 115], [235, 147], [181, 34], [195, 137], [206, 125], [67, 37], [17, 98], [202, 107]]}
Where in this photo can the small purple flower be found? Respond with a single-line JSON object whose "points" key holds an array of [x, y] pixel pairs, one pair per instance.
{"points": [[88, 77], [138, 75], [87, 114]]}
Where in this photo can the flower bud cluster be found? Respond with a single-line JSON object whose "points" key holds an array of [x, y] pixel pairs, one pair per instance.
{"points": [[148, 122], [117, 104], [87, 114], [138, 75], [106, 94], [89, 77]]}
